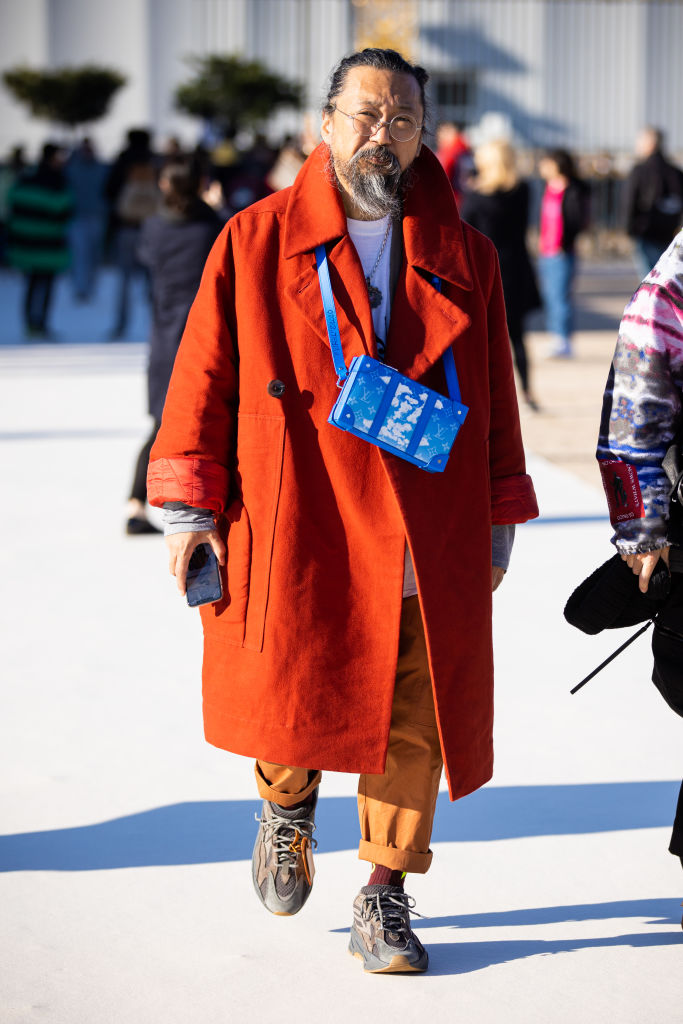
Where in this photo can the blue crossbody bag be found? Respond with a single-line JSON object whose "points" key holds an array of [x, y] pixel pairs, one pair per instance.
{"points": [[381, 406]]}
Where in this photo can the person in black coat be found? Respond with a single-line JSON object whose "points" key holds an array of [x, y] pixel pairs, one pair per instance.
{"points": [[174, 245], [498, 206], [653, 200]]}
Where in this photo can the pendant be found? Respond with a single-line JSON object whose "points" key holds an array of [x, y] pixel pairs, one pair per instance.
{"points": [[374, 294]]}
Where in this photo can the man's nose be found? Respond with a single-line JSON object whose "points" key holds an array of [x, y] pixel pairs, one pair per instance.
{"points": [[381, 133]]}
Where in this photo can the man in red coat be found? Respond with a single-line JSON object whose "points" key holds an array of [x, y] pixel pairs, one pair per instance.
{"points": [[354, 631]]}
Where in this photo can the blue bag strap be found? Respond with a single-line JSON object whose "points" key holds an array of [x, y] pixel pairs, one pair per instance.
{"points": [[335, 337], [449, 360], [330, 314]]}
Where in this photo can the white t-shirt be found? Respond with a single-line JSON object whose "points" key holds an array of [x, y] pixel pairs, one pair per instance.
{"points": [[367, 236]]}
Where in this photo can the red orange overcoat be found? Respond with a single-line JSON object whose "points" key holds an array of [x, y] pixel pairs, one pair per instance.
{"points": [[300, 655]]}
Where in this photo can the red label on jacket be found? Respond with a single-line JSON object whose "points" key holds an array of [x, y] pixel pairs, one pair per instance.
{"points": [[623, 491]]}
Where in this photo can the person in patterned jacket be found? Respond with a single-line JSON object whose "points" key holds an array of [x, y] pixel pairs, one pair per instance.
{"points": [[642, 417]]}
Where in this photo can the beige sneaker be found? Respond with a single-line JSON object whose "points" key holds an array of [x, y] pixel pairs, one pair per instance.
{"points": [[381, 935], [282, 864]]}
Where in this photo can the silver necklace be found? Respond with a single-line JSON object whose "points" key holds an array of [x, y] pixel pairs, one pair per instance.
{"points": [[375, 293]]}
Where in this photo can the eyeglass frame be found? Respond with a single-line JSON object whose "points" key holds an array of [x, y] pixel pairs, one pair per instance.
{"points": [[381, 124]]}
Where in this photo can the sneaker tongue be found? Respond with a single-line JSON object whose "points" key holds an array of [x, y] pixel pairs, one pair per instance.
{"points": [[381, 890]]}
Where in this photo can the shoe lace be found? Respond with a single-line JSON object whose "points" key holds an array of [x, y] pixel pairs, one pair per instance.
{"points": [[391, 910], [288, 836]]}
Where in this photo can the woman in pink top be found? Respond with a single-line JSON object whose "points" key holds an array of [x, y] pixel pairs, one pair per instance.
{"points": [[564, 213]]}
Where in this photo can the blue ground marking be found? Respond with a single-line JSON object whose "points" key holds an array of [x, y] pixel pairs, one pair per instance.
{"points": [[213, 831], [562, 520]]}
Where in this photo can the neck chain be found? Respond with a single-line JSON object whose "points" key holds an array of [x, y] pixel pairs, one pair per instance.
{"points": [[375, 293]]}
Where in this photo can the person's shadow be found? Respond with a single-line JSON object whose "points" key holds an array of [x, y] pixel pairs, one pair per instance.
{"points": [[216, 831], [464, 956]]}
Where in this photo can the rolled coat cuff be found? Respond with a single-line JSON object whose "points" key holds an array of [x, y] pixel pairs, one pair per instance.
{"points": [[194, 481], [513, 500]]}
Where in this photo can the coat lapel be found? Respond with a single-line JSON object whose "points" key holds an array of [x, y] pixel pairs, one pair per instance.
{"points": [[315, 216], [350, 299], [424, 322]]}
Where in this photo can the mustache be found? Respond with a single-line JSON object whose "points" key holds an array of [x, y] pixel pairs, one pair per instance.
{"points": [[374, 178], [378, 155]]}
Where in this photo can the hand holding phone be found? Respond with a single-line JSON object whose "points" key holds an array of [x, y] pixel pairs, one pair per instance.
{"points": [[182, 545], [203, 580]]}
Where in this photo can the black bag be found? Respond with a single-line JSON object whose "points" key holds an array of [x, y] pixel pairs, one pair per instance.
{"points": [[667, 647], [673, 467], [667, 636], [610, 599]]}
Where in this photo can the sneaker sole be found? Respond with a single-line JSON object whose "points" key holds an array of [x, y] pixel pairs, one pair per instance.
{"points": [[398, 964]]}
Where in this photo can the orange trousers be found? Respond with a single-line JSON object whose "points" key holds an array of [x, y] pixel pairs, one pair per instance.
{"points": [[396, 809]]}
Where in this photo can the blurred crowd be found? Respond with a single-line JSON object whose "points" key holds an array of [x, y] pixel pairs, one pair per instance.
{"points": [[70, 212], [494, 198]]}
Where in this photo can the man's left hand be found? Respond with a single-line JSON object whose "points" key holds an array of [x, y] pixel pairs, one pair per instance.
{"points": [[496, 576]]}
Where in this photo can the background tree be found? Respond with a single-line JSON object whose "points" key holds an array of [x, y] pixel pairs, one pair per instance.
{"points": [[235, 94], [68, 96]]}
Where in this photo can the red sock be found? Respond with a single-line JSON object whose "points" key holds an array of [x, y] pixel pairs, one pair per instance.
{"points": [[386, 876]]}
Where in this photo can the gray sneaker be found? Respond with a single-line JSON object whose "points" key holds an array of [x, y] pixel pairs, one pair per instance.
{"points": [[282, 863], [381, 935]]}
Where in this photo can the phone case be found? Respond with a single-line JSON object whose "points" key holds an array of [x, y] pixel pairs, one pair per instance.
{"points": [[203, 583]]}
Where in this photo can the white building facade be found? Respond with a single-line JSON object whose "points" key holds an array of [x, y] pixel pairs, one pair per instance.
{"points": [[586, 74]]}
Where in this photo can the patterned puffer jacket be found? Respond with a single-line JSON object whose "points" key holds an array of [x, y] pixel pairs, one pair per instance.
{"points": [[641, 414]]}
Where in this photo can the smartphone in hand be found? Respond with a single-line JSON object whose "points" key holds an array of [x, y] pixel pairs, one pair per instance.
{"points": [[203, 581]]}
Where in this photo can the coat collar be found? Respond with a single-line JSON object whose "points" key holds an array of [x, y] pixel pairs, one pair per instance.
{"points": [[423, 323], [432, 231]]}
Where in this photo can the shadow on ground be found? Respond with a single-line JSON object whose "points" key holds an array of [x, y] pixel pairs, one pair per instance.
{"points": [[467, 957], [464, 957], [223, 830]]}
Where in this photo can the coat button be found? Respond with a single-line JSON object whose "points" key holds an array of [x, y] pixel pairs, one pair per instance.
{"points": [[276, 389]]}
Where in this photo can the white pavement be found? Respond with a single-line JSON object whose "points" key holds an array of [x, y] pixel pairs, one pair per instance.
{"points": [[124, 860]]}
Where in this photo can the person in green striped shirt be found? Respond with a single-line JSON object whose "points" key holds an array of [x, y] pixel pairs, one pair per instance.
{"points": [[39, 208]]}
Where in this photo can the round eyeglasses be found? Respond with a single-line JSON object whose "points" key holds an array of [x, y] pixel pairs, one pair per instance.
{"points": [[402, 128]]}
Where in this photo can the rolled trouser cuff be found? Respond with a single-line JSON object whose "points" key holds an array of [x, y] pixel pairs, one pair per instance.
{"points": [[396, 860], [267, 792]]}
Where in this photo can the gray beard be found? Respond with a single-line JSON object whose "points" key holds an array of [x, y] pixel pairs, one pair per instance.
{"points": [[376, 190]]}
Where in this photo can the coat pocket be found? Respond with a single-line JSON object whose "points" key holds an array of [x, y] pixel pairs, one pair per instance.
{"points": [[260, 448], [226, 620]]}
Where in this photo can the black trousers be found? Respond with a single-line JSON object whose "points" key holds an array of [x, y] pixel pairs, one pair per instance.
{"points": [[37, 300], [676, 846], [516, 333], [139, 489]]}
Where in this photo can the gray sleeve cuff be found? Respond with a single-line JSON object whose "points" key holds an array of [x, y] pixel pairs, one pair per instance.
{"points": [[207, 524], [502, 539], [180, 518]]}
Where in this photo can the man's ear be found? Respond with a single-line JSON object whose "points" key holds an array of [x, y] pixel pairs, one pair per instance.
{"points": [[326, 129]]}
